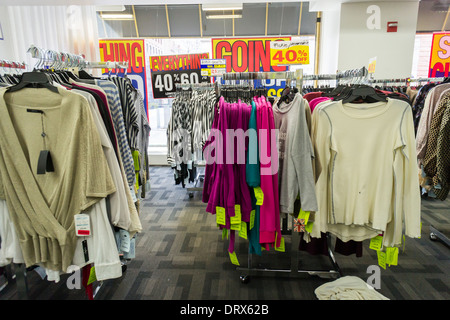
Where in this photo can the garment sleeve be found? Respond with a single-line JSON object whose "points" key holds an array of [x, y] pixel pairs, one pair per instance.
{"points": [[407, 190], [302, 156], [99, 181], [322, 138], [252, 167], [422, 129]]}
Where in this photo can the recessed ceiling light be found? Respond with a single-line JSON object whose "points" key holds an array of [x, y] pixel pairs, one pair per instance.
{"points": [[117, 16]]}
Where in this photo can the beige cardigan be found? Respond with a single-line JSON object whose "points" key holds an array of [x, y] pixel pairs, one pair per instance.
{"points": [[42, 207]]}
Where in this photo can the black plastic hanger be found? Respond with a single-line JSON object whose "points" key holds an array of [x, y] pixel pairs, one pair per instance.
{"points": [[82, 74], [366, 93], [35, 80]]}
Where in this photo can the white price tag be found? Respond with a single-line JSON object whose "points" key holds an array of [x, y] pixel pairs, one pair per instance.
{"points": [[82, 225]]}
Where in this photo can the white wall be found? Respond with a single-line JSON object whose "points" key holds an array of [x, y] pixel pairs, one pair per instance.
{"points": [[6, 45], [71, 29], [394, 51]]}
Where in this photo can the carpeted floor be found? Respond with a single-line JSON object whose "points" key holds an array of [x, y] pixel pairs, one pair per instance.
{"points": [[180, 255]]}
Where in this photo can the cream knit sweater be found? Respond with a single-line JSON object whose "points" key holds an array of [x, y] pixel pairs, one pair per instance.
{"points": [[42, 207]]}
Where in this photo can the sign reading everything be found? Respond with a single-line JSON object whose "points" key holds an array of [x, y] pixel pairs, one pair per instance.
{"points": [[167, 71]]}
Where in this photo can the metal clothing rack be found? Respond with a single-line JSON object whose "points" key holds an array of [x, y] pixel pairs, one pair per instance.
{"points": [[61, 60], [294, 271]]}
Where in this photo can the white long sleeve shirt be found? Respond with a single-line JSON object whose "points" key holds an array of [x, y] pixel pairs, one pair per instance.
{"points": [[369, 182]]}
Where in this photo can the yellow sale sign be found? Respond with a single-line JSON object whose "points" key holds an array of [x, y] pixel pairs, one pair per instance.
{"points": [[289, 52]]}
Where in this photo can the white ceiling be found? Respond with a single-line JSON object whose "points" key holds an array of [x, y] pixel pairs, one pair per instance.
{"points": [[317, 3]]}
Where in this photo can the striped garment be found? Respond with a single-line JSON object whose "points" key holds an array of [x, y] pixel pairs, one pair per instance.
{"points": [[142, 140], [129, 108], [189, 125], [115, 106]]}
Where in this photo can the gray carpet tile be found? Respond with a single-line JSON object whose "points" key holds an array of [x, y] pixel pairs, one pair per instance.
{"points": [[180, 255]]}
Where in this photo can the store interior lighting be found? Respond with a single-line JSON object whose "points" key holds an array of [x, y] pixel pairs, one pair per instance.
{"points": [[117, 16], [222, 6], [224, 15]]}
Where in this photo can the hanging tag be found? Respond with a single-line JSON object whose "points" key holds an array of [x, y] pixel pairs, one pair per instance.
{"points": [[243, 230], [82, 225], [304, 215], [85, 250], [233, 258], [45, 162], [224, 233], [376, 243], [381, 259], [124, 240], [259, 195], [92, 276], [282, 247], [220, 216], [309, 226], [392, 256], [252, 219], [237, 215]]}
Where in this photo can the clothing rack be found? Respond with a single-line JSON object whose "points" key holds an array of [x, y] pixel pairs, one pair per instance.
{"points": [[61, 60], [196, 86], [50, 59], [293, 271]]}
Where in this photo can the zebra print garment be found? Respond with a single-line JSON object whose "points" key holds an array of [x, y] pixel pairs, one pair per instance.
{"points": [[129, 109]]}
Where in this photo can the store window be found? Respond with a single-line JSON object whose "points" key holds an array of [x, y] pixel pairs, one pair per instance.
{"points": [[186, 29]]}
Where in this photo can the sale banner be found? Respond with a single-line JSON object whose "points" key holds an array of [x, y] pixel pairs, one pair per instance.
{"points": [[246, 54], [168, 71], [285, 53], [132, 51], [250, 55], [440, 55]]}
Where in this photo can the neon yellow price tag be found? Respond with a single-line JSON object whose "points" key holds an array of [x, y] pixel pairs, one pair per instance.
{"points": [[376, 243], [233, 258], [304, 215], [252, 219], [243, 230], [392, 256], [309, 226], [281, 248], [92, 276], [237, 215], [259, 195], [224, 233], [220, 216], [381, 259]]}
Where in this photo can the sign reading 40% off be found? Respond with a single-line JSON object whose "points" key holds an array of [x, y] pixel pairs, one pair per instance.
{"points": [[289, 52]]}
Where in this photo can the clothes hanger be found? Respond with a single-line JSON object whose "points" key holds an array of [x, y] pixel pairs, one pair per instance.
{"points": [[35, 80], [365, 92]]}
